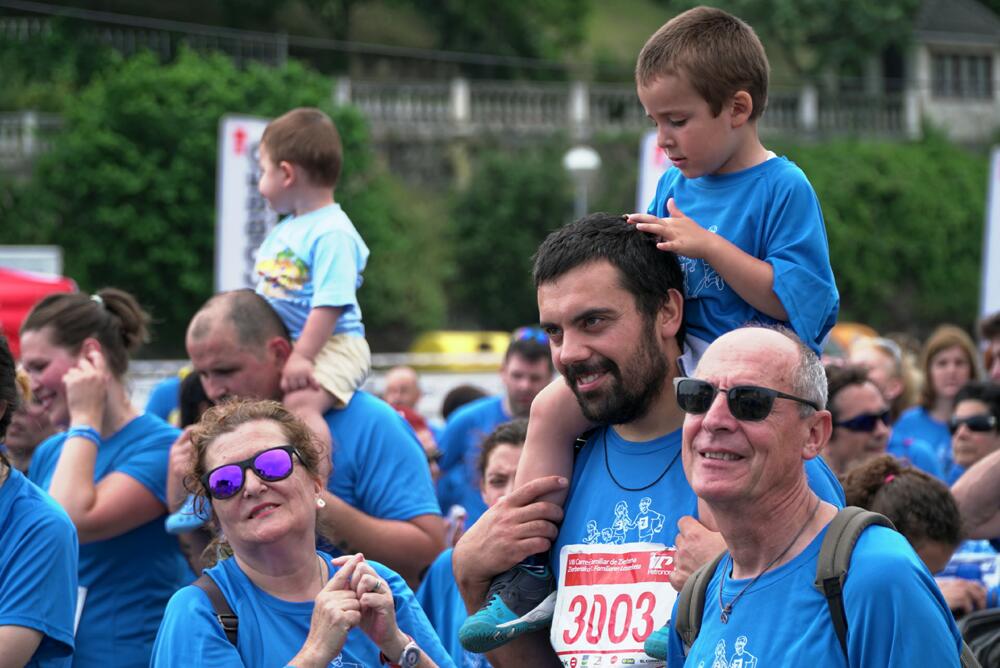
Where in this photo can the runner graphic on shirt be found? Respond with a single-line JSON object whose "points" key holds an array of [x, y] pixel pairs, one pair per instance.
{"points": [[742, 658], [593, 533], [621, 524], [647, 522], [710, 278], [720, 655]]}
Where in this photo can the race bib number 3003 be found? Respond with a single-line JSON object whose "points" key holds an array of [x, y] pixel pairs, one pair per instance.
{"points": [[611, 598]]}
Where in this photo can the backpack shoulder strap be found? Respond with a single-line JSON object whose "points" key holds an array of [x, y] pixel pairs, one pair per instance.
{"points": [[691, 603], [967, 658], [835, 558], [220, 606]]}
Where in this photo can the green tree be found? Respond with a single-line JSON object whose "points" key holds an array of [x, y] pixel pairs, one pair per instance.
{"points": [[512, 202], [905, 225], [814, 37], [128, 190]]}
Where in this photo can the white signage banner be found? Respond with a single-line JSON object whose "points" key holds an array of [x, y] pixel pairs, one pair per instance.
{"points": [[652, 163], [242, 217], [990, 294]]}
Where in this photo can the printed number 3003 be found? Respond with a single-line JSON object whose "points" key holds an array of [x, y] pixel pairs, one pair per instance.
{"points": [[594, 620]]}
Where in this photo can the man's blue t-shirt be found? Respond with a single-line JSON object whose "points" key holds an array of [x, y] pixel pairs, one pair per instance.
{"points": [[896, 615], [38, 565], [128, 578], [600, 510], [916, 453], [438, 595], [770, 212], [917, 423], [313, 260], [459, 444], [379, 466], [272, 631], [164, 400]]}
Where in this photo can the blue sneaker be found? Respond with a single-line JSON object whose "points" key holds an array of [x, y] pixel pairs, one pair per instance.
{"points": [[656, 644], [519, 601], [189, 517]]}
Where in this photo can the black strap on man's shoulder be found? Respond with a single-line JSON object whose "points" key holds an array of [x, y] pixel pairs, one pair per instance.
{"points": [[691, 603], [220, 606], [835, 559]]}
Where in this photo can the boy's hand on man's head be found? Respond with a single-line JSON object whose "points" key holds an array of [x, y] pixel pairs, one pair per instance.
{"points": [[298, 374], [678, 233]]}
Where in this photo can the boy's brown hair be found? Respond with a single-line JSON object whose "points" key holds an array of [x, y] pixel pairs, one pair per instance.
{"points": [[308, 138], [717, 52]]}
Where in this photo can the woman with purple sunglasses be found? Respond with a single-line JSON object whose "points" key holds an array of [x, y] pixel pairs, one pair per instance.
{"points": [[258, 467]]}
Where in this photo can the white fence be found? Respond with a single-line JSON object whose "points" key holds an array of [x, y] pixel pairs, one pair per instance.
{"points": [[463, 108]]}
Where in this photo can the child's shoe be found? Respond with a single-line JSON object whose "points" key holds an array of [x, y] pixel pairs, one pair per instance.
{"points": [[519, 601]]}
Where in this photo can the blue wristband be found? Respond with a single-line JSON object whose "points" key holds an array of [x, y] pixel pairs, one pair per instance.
{"points": [[84, 431]]}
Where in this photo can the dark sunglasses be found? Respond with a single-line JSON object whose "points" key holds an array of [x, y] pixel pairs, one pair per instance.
{"points": [[973, 423], [272, 465], [864, 422], [746, 402], [530, 334]]}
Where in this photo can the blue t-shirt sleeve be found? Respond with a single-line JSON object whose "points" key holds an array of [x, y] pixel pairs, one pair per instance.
{"points": [[334, 267], [190, 635], [42, 598], [454, 442], [395, 481], [824, 483], [389, 472], [148, 460], [164, 398], [898, 617], [411, 619], [796, 247]]}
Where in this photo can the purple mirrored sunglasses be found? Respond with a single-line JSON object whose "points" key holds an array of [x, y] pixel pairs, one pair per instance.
{"points": [[270, 465]]}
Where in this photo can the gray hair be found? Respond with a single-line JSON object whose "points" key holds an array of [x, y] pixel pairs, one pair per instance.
{"points": [[809, 376]]}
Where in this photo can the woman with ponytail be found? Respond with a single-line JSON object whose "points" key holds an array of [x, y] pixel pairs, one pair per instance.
{"points": [[108, 470]]}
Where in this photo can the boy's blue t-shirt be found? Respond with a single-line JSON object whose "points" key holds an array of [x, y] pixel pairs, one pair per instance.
{"points": [[896, 615], [459, 444], [438, 595], [770, 212], [379, 466], [916, 423], [128, 578], [272, 631], [598, 510], [38, 569], [313, 260]]}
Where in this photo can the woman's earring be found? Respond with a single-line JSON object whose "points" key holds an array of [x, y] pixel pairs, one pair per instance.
{"points": [[320, 503]]}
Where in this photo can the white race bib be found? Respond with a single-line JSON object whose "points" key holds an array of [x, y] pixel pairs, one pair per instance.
{"points": [[611, 598]]}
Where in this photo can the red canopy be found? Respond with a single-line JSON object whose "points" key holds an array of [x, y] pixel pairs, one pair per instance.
{"points": [[19, 291]]}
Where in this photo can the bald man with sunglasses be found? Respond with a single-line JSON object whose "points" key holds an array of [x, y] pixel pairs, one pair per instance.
{"points": [[754, 415]]}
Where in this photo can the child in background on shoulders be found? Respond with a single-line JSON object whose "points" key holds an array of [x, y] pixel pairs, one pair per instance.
{"points": [[309, 266]]}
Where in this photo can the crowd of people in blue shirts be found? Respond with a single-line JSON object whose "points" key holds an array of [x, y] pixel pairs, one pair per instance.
{"points": [[265, 509]]}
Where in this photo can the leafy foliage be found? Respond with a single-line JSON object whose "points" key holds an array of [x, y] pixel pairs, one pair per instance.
{"points": [[512, 202], [128, 189], [817, 36], [905, 224]]}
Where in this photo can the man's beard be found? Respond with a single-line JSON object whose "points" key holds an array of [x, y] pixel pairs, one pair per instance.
{"points": [[621, 401]]}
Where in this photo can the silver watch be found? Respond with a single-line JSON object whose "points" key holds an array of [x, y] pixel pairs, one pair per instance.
{"points": [[410, 656]]}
